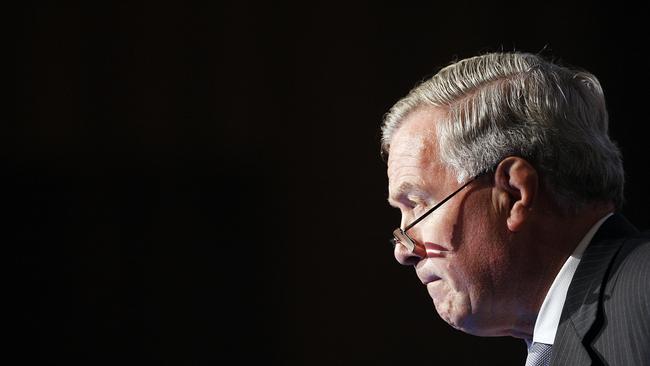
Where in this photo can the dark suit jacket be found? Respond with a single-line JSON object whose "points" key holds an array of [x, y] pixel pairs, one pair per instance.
{"points": [[606, 316]]}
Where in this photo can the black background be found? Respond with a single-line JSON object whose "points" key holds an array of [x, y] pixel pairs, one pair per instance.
{"points": [[201, 184]]}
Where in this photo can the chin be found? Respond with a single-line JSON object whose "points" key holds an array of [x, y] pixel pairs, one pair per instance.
{"points": [[462, 319], [469, 327], [454, 315]]}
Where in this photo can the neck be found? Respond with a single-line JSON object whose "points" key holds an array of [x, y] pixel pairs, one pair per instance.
{"points": [[546, 245]]}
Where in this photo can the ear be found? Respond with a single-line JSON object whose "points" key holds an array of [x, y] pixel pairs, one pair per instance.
{"points": [[517, 184]]}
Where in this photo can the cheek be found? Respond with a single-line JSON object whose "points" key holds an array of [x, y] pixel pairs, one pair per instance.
{"points": [[476, 237], [468, 263], [462, 273], [475, 262]]}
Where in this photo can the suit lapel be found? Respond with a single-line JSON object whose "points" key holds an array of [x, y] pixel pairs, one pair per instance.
{"points": [[583, 297]]}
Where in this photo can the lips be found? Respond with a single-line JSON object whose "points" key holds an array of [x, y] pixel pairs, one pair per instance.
{"points": [[426, 271], [427, 268], [429, 279]]}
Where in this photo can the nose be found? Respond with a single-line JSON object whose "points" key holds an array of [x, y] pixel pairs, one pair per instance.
{"points": [[409, 257]]}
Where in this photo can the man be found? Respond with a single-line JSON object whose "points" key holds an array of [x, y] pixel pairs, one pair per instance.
{"points": [[512, 153]]}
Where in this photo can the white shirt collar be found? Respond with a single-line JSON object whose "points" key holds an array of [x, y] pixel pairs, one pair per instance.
{"points": [[549, 314]]}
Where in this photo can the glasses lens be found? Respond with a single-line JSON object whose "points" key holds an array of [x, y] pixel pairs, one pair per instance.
{"points": [[400, 237]]}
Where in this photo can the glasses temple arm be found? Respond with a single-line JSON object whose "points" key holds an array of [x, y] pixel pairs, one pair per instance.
{"points": [[438, 205]]}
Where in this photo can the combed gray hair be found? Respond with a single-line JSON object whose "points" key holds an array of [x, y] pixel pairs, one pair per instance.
{"points": [[518, 104]]}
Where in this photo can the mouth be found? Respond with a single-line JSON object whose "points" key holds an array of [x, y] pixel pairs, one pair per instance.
{"points": [[429, 280]]}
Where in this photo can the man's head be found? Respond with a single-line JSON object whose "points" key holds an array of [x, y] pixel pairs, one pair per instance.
{"points": [[540, 130], [505, 104]]}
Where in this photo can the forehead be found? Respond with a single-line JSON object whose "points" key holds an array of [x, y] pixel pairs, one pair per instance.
{"points": [[413, 164], [414, 144]]}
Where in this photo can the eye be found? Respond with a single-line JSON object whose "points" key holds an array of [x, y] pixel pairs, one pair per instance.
{"points": [[420, 207], [415, 203], [410, 205]]}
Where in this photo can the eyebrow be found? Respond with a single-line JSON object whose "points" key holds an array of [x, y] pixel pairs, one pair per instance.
{"points": [[406, 189]]}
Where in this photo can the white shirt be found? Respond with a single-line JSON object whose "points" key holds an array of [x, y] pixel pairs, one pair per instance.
{"points": [[548, 317]]}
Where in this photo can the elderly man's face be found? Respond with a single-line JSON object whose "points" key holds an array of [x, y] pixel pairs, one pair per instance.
{"points": [[466, 267]]}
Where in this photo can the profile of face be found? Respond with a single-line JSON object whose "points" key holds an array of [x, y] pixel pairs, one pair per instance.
{"points": [[466, 265]]}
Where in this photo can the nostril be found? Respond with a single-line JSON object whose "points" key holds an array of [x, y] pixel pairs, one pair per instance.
{"points": [[411, 261], [407, 257]]}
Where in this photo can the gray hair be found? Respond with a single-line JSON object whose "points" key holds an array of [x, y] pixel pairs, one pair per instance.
{"points": [[518, 104]]}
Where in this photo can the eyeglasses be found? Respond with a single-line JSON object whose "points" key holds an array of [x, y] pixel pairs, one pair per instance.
{"points": [[401, 237]]}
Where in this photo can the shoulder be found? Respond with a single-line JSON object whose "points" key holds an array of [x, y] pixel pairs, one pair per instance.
{"points": [[630, 271], [624, 320]]}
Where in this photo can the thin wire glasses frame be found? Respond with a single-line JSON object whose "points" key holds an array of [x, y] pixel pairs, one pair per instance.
{"points": [[401, 237]]}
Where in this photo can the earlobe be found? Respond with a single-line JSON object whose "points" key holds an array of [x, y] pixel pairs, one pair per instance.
{"points": [[517, 183]]}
